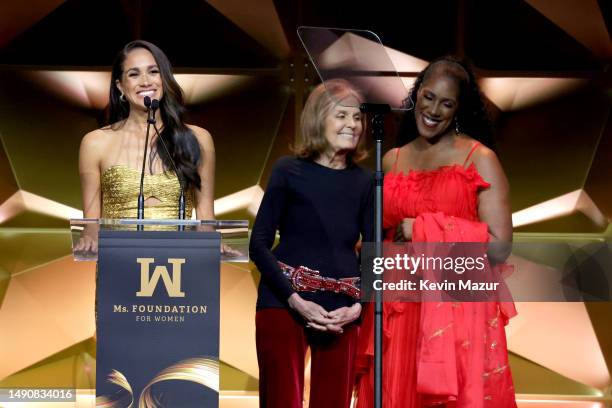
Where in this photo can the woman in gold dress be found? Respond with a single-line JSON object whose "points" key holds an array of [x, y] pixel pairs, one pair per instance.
{"points": [[111, 158]]}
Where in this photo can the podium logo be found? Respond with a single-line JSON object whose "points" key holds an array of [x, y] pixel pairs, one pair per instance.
{"points": [[148, 282]]}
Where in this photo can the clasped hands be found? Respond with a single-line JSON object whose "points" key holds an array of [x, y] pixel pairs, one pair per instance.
{"points": [[318, 318]]}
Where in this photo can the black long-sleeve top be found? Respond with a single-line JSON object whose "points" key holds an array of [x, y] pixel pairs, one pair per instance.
{"points": [[320, 214]]}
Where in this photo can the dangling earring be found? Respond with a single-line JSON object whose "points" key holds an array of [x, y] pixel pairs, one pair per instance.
{"points": [[457, 126], [122, 97]]}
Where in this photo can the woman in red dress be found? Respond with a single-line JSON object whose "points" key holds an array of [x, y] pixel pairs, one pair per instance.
{"points": [[444, 184]]}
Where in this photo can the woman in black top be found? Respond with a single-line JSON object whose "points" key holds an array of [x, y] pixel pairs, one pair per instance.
{"points": [[320, 203]]}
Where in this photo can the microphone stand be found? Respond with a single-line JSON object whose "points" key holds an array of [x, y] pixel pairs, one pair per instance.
{"points": [[378, 112], [154, 107], [140, 211]]}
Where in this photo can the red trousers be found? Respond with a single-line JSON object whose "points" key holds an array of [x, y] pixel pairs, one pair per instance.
{"points": [[282, 340]]}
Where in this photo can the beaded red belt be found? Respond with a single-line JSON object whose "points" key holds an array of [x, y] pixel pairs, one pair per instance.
{"points": [[304, 279]]}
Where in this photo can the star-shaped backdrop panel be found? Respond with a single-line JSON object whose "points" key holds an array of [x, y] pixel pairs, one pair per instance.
{"points": [[245, 78]]}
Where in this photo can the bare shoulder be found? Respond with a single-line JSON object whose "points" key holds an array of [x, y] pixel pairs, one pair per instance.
{"points": [[204, 137], [394, 155], [97, 139], [95, 136], [389, 158], [485, 157], [489, 166], [466, 143], [95, 146]]}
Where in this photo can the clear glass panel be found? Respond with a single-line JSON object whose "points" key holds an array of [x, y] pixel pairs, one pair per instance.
{"points": [[358, 57], [234, 234]]}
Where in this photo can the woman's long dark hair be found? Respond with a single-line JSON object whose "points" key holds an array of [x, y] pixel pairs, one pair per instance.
{"points": [[182, 143], [472, 117]]}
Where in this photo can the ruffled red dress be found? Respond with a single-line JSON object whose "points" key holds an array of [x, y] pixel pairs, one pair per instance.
{"points": [[438, 354]]}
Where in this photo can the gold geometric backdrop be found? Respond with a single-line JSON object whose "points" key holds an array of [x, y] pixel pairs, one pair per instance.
{"points": [[544, 67]]}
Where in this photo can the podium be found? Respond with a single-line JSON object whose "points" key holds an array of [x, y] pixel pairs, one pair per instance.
{"points": [[157, 307]]}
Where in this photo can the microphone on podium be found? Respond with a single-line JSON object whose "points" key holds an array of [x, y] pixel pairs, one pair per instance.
{"points": [[140, 210], [154, 106]]}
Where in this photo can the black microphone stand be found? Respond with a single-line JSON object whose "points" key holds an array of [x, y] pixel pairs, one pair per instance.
{"points": [[140, 211], [154, 106], [378, 112]]}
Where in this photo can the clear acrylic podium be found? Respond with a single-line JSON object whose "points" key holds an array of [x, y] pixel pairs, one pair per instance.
{"points": [[234, 234], [158, 306]]}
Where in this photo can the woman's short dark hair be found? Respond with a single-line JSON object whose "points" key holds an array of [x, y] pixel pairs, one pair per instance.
{"points": [[471, 116], [319, 104], [182, 143]]}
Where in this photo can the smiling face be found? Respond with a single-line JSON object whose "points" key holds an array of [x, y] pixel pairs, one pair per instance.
{"points": [[342, 127], [436, 105], [141, 77]]}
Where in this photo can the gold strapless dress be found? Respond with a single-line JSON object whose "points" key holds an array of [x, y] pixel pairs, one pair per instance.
{"points": [[120, 188]]}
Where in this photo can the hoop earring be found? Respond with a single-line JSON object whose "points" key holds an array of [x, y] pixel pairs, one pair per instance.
{"points": [[457, 131], [122, 97]]}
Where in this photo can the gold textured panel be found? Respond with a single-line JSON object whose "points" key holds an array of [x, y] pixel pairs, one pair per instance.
{"points": [[231, 378], [582, 19], [243, 128], [5, 278], [15, 19], [22, 249], [73, 367], [8, 184], [532, 378], [599, 181], [545, 157], [600, 314], [44, 311], [238, 297], [560, 337], [547, 150], [283, 139], [31, 219], [576, 222], [44, 151], [261, 22]]}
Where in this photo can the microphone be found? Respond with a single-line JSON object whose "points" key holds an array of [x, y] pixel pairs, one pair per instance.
{"points": [[140, 211], [154, 107]]}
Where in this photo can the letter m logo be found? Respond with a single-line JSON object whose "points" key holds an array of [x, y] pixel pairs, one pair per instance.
{"points": [[148, 282]]}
